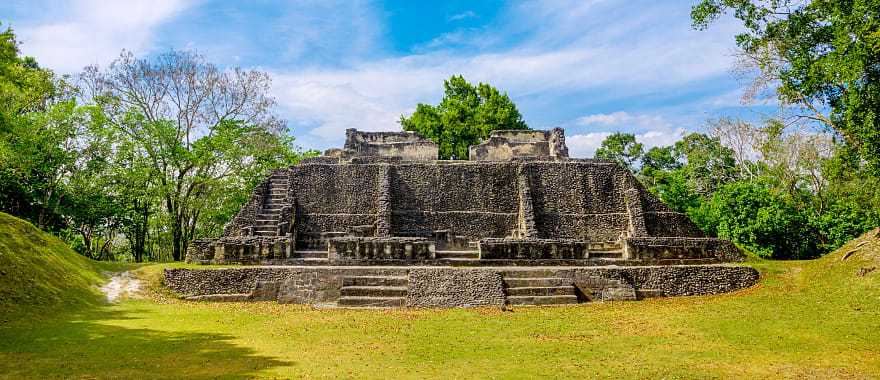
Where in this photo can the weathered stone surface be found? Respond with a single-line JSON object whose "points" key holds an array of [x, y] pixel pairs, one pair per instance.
{"points": [[381, 248], [448, 287], [407, 146], [505, 145], [455, 287]]}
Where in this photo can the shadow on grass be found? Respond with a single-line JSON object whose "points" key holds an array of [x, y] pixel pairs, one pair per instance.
{"points": [[87, 345]]}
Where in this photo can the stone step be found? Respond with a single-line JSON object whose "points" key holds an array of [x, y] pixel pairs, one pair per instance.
{"points": [[523, 282], [375, 281], [310, 254], [542, 300], [534, 273], [373, 291], [542, 291], [265, 222], [265, 233], [372, 301], [273, 212], [265, 227], [606, 254], [457, 254]]}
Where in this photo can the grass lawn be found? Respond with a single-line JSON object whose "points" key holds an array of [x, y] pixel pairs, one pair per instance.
{"points": [[813, 319]]}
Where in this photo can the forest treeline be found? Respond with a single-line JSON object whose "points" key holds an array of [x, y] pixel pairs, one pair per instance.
{"points": [[134, 160]]}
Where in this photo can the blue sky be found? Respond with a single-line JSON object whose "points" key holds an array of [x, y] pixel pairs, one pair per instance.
{"points": [[592, 67]]}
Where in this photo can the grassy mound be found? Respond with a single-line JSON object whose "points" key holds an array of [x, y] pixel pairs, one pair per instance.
{"points": [[40, 273]]}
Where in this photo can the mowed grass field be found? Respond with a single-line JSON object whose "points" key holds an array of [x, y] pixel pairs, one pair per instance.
{"points": [[805, 319]]}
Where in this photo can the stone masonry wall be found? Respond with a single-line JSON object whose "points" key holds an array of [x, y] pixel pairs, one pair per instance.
{"points": [[453, 287], [447, 287], [575, 199]]}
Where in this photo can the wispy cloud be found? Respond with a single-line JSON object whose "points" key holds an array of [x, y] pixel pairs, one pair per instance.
{"points": [[585, 145], [556, 65], [84, 32], [462, 16], [592, 66], [623, 119]]}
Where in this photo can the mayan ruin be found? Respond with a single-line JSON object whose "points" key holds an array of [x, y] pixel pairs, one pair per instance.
{"points": [[383, 222]]}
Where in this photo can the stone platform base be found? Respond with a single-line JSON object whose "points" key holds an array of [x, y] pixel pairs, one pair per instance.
{"points": [[436, 286]]}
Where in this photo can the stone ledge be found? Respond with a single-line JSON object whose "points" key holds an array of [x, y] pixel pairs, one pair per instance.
{"points": [[453, 287]]}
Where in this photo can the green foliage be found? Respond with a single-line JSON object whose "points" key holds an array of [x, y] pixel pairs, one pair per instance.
{"points": [[622, 148], [748, 213], [24, 86], [709, 165], [107, 166], [824, 54], [466, 115]]}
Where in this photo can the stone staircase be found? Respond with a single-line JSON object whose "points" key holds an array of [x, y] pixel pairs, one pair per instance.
{"points": [[606, 250], [374, 291], [316, 256], [457, 255], [266, 223], [538, 287]]}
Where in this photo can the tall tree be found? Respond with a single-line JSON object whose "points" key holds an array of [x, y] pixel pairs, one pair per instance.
{"points": [[29, 143], [195, 125], [466, 115], [821, 56], [622, 148]]}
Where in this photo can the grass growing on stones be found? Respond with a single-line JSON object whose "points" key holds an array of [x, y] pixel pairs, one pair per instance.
{"points": [[817, 319]]}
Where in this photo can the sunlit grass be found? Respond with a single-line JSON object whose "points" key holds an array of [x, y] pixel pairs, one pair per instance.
{"points": [[813, 319]]}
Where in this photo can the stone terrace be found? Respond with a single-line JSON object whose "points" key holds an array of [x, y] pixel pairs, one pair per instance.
{"points": [[385, 200]]}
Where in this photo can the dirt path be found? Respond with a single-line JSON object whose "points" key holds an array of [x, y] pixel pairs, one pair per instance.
{"points": [[121, 285]]}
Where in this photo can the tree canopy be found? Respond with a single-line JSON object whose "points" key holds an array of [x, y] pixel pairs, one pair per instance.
{"points": [[822, 56], [466, 115]]}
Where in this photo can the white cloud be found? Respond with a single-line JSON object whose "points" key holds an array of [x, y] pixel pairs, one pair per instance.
{"points": [[585, 145], [623, 119], [94, 31], [577, 49], [462, 16]]}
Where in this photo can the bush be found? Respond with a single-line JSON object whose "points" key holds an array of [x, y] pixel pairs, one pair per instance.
{"points": [[751, 215]]}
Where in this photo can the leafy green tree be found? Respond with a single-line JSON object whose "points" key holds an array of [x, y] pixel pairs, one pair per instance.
{"points": [[466, 115], [192, 130], [24, 86], [709, 164], [622, 148], [29, 144], [748, 213], [822, 56]]}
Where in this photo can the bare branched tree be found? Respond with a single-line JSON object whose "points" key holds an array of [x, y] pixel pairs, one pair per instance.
{"points": [[165, 105]]}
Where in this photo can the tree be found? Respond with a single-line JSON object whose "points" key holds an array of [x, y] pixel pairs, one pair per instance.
{"points": [[194, 126], [466, 115], [748, 213], [822, 56], [29, 145], [709, 164], [622, 148]]}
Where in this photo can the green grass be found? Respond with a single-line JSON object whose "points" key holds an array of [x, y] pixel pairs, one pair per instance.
{"points": [[814, 319]]}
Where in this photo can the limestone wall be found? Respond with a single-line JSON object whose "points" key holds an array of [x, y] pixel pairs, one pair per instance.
{"points": [[408, 146], [572, 199], [452, 287], [505, 145], [448, 287]]}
